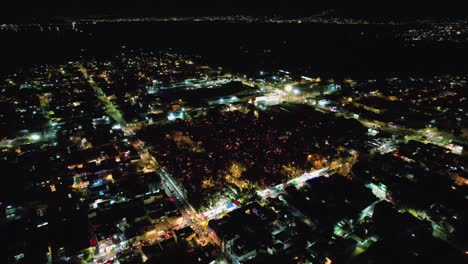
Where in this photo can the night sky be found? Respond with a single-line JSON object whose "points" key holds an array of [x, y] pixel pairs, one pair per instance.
{"points": [[22, 10]]}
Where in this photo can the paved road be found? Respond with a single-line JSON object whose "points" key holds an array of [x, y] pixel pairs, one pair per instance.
{"points": [[441, 139], [171, 188]]}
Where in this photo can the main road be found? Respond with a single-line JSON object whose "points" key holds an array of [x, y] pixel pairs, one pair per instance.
{"points": [[188, 212], [426, 135]]}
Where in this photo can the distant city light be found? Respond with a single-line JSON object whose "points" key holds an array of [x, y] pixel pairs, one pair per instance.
{"points": [[296, 91], [288, 88]]}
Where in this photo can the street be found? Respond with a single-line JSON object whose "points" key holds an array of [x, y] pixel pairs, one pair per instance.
{"points": [[185, 208]]}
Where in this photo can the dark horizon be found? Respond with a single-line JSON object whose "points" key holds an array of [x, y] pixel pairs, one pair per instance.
{"points": [[20, 11]]}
